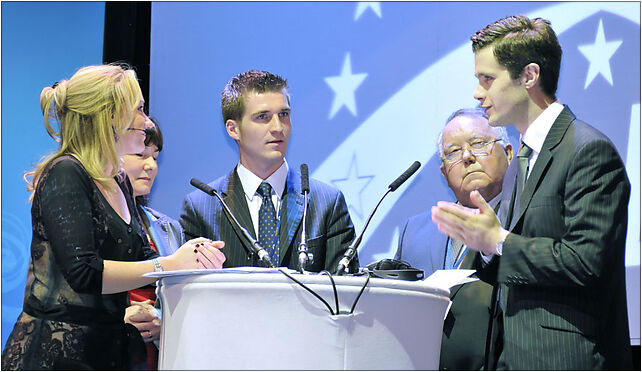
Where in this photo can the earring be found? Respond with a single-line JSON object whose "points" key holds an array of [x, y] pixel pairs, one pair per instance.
{"points": [[115, 134]]}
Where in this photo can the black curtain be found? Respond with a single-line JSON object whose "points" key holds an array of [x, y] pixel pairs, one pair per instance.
{"points": [[127, 38]]}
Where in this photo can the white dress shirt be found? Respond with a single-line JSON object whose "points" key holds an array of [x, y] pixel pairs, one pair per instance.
{"points": [[538, 130], [534, 138], [251, 183]]}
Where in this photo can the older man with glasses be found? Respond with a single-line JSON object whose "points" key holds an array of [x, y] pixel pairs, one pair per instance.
{"points": [[474, 156]]}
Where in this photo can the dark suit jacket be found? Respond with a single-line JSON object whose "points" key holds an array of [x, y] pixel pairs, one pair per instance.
{"points": [[466, 326], [562, 268], [329, 227]]}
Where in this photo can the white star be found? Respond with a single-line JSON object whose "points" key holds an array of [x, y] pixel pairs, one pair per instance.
{"points": [[352, 186], [598, 55], [363, 5], [344, 87]]}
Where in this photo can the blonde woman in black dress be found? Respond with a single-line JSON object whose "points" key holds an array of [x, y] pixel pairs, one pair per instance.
{"points": [[88, 247]]}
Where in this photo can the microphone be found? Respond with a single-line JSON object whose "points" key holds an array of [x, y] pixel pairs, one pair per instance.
{"points": [[305, 179], [352, 249], [404, 176], [304, 256], [256, 247]]}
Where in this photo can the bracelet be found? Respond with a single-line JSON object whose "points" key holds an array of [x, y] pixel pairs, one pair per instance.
{"points": [[157, 266]]}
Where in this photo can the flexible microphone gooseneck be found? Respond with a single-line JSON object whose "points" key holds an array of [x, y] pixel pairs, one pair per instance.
{"points": [[304, 256], [256, 247], [352, 249]]}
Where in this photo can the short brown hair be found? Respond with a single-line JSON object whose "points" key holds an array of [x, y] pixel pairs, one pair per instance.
{"points": [[518, 41], [232, 101]]}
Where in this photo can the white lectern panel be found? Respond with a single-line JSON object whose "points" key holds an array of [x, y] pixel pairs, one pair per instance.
{"points": [[236, 321]]}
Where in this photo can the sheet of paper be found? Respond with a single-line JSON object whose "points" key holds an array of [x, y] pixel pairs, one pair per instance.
{"points": [[447, 278]]}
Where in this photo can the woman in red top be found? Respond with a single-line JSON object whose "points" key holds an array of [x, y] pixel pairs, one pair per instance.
{"points": [[165, 236]]}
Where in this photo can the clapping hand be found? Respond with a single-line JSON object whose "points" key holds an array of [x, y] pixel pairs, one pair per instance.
{"points": [[479, 228]]}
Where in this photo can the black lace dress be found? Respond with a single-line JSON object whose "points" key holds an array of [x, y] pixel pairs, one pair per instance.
{"points": [[66, 322]]}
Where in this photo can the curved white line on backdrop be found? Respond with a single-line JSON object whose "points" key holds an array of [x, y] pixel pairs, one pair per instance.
{"points": [[633, 171], [399, 132]]}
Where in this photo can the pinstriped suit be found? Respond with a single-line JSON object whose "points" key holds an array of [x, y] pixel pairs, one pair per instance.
{"points": [[329, 227], [562, 268]]}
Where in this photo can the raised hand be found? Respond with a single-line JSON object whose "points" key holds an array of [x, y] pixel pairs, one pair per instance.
{"points": [[479, 228]]}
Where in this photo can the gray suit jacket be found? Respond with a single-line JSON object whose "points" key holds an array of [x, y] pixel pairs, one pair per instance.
{"points": [[562, 268], [329, 227], [422, 245], [465, 329], [166, 233]]}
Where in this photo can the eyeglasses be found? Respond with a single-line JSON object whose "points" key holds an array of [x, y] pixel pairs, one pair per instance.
{"points": [[477, 148], [147, 131]]}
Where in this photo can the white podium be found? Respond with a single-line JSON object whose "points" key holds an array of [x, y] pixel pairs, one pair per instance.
{"points": [[265, 321]]}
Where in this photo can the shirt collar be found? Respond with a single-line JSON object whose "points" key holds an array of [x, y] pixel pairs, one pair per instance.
{"points": [[251, 181], [538, 130], [492, 202]]}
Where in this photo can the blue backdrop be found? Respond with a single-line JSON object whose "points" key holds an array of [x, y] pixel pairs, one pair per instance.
{"points": [[371, 86], [42, 42]]}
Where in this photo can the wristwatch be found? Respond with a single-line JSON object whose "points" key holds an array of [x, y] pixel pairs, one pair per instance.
{"points": [[157, 266]]}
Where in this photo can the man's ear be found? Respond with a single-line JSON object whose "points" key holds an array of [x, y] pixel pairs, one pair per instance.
{"points": [[508, 149], [232, 128], [443, 171], [530, 75]]}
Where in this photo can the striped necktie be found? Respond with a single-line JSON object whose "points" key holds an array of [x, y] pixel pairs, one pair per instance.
{"points": [[522, 173]]}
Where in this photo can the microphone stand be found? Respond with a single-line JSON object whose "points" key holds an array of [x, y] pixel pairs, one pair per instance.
{"points": [[256, 247], [352, 249], [303, 246], [304, 256]]}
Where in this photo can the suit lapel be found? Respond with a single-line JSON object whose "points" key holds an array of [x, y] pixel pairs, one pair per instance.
{"points": [[234, 196], [544, 159], [156, 232], [291, 212]]}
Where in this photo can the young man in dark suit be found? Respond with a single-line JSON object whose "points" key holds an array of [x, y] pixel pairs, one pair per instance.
{"points": [[263, 193], [557, 261], [474, 156]]}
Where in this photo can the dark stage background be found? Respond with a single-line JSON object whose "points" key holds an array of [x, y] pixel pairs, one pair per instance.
{"points": [[371, 86]]}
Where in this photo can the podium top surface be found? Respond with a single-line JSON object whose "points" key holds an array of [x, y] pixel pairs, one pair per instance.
{"points": [[273, 276]]}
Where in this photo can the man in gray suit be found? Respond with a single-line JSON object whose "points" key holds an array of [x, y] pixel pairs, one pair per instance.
{"points": [[557, 262], [263, 193], [474, 156]]}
